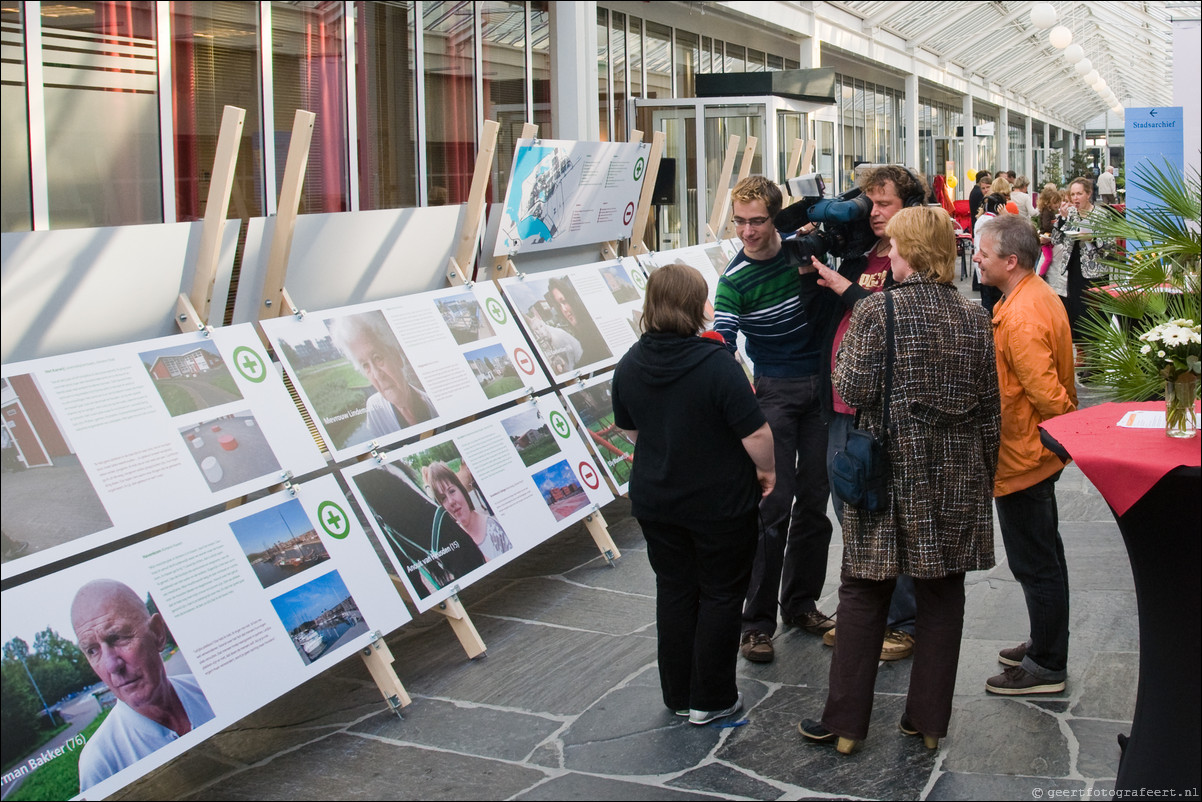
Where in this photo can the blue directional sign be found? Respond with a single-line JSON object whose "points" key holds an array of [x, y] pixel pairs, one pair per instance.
{"points": [[1156, 137]]}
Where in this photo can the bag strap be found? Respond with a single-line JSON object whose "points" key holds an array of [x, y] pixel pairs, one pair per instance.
{"points": [[888, 364]]}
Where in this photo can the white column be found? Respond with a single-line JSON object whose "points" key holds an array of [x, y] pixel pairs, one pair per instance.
{"points": [[1028, 155], [574, 91], [1002, 138], [912, 138], [810, 53], [970, 141]]}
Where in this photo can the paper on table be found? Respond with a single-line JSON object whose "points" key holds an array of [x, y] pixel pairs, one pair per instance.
{"points": [[1143, 419]]}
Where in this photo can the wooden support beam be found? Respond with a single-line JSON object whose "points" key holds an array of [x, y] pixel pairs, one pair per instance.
{"points": [[465, 251], [463, 627], [186, 316], [744, 171], [597, 527], [718, 214], [637, 243], [378, 659], [221, 183], [272, 303]]}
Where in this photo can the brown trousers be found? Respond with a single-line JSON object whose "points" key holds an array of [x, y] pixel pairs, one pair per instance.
{"points": [[863, 608]]}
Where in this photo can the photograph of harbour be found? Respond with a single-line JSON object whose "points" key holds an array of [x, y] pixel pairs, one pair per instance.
{"points": [[279, 542], [320, 616]]}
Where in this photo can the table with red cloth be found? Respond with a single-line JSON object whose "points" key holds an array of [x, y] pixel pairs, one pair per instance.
{"points": [[1153, 484]]}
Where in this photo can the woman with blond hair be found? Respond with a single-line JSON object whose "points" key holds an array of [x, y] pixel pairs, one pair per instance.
{"points": [[942, 435], [703, 459]]}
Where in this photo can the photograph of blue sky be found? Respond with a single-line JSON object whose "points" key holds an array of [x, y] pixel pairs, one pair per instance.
{"points": [[282, 522]]}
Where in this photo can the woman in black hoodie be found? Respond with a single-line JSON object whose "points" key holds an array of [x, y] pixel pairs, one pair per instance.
{"points": [[703, 459]]}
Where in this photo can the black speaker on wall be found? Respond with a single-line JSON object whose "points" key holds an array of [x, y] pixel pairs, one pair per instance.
{"points": [[665, 183]]}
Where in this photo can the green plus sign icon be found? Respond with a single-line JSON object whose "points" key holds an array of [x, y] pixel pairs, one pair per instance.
{"points": [[560, 424], [333, 519], [639, 164], [250, 364], [639, 279], [496, 310]]}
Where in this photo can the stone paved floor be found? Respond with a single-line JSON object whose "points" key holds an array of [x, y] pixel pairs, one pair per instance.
{"points": [[566, 703]]}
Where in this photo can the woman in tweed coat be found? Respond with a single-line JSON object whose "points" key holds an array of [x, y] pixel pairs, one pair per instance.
{"points": [[943, 444]]}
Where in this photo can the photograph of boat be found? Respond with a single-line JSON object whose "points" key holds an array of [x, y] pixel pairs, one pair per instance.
{"points": [[279, 542]]}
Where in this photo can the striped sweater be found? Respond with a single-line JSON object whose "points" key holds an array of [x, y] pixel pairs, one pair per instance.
{"points": [[762, 299]]}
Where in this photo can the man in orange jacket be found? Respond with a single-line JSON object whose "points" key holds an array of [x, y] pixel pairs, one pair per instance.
{"points": [[1034, 349]]}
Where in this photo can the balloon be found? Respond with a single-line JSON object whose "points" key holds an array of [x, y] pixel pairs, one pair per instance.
{"points": [[1060, 37], [1043, 15], [972, 175], [951, 182]]}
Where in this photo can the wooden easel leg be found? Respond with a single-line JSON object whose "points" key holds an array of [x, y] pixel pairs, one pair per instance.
{"points": [[597, 527], [463, 627], [378, 659]]}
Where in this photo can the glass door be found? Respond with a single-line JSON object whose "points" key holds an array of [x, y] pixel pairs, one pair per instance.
{"points": [[675, 223], [722, 122]]}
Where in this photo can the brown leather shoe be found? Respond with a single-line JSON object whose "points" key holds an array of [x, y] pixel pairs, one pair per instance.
{"points": [[898, 645], [814, 622], [756, 647]]}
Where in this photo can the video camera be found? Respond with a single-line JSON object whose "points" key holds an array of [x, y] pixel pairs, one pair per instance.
{"points": [[843, 226]]}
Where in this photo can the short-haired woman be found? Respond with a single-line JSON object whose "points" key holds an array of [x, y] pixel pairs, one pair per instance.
{"points": [[453, 496], [944, 430], [703, 459]]}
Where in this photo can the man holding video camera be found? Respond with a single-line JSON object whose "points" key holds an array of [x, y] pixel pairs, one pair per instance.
{"points": [[760, 295], [891, 188]]}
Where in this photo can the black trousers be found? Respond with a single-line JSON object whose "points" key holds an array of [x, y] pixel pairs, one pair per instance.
{"points": [[863, 606], [700, 582]]}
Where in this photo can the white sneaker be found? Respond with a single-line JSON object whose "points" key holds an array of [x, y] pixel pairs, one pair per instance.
{"points": [[706, 716]]}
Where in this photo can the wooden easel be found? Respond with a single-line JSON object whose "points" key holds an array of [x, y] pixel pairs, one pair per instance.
{"points": [[728, 229], [802, 153], [636, 245]]}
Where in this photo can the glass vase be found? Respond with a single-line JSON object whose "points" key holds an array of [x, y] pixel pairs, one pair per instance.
{"points": [[1180, 416]]}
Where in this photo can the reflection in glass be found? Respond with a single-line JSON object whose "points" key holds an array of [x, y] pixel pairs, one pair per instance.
{"points": [[449, 45], [384, 70]]}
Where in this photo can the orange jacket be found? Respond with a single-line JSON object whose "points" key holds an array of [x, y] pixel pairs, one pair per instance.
{"points": [[1034, 350]]}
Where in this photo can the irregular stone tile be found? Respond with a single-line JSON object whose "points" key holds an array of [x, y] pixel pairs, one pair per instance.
{"points": [[549, 754], [630, 732], [583, 786], [953, 786], [1102, 621], [553, 601], [1082, 506], [631, 574], [1052, 706], [801, 659], [1005, 736], [894, 677], [1108, 687], [722, 779], [190, 770], [348, 767], [887, 766], [996, 610], [462, 728], [1098, 755], [529, 667]]}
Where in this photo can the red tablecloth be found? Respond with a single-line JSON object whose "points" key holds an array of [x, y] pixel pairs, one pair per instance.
{"points": [[1122, 463]]}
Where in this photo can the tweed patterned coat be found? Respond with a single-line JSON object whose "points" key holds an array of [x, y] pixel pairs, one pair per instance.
{"points": [[945, 420]]}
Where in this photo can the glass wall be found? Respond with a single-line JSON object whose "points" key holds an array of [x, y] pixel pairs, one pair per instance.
{"points": [[939, 139], [385, 44], [215, 62], [309, 72], [101, 97], [1017, 144], [450, 109], [987, 151], [16, 208], [870, 126]]}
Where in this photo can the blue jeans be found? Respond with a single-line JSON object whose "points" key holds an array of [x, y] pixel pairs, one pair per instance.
{"points": [[903, 606], [1030, 530], [790, 560]]}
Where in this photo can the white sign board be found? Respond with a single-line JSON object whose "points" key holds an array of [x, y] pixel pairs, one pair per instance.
{"points": [[105, 443], [563, 193], [592, 403], [455, 507], [582, 318], [246, 605], [384, 371]]}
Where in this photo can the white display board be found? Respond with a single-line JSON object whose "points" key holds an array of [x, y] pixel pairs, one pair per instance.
{"points": [[592, 403], [384, 371], [253, 601], [105, 443], [710, 260], [563, 193], [455, 507], [583, 318]]}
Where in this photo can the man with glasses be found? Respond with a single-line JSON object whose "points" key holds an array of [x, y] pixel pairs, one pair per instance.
{"points": [[759, 294]]}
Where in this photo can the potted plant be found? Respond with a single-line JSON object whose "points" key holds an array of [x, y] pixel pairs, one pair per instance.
{"points": [[1155, 290]]}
